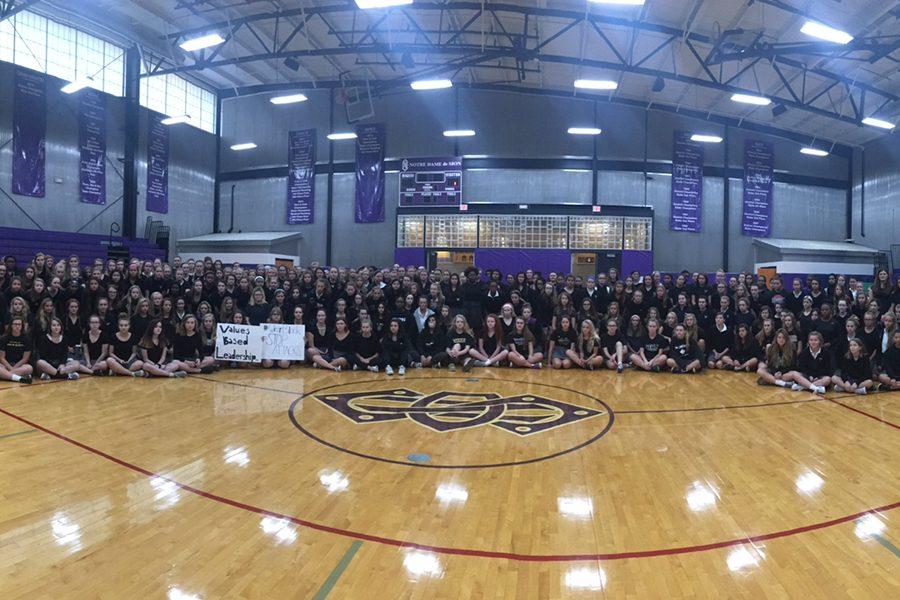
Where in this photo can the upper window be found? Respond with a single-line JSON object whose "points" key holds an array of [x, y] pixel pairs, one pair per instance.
{"points": [[41, 44], [175, 96]]}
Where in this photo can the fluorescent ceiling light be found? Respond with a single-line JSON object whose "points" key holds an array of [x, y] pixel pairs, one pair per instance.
{"points": [[707, 139], [824, 32], [205, 41], [77, 85], [364, 4], [878, 123], [459, 133], [341, 136], [244, 146], [595, 84], [176, 120], [813, 152], [749, 99], [620, 2], [431, 84], [289, 99], [584, 130]]}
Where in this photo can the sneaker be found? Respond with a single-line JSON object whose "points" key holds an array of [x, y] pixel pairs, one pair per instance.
{"points": [[861, 391], [537, 366], [180, 374], [453, 367], [729, 367], [796, 388], [819, 390], [26, 379], [417, 365], [337, 369], [137, 373], [401, 370], [355, 367], [389, 370], [467, 366], [72, 376], [655, 369], [620, 368], [479, 363], [373, 368], [315, 365], [45, 377]]}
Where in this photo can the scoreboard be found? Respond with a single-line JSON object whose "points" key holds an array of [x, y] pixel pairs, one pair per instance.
{"points": [[431, 181]]}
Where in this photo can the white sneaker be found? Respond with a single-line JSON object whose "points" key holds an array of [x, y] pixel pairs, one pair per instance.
{"points": [[45, 377], [796, 388], [180, 374], [819, 390], [389, 370], [74, 376], [373, 368], [861, 391], [337, 369], [401, 370]]}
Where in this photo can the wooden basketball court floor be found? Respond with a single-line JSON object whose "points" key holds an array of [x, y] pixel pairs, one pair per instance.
{"points": [[498, 483]]}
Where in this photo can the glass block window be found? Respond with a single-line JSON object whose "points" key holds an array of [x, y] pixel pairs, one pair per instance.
{"points": [[451, 231], [595, 233], [410, 231], [175, 96], [47, 46], [520, 231], [638, 233]]}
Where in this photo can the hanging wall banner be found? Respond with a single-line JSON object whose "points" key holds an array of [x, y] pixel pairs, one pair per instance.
{"points": [[431, 181], [301, 190], [158, 166], [687, 183], [29, 134], [759, 166], [370, 173], [92, 142]]}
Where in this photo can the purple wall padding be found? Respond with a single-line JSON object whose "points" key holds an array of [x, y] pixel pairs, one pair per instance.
{"points": [[637, 260], [409, 256], [513, 260]]}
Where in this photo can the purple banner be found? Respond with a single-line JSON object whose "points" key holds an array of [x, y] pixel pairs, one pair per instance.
{"points": [[370, 173], [687, 183], [759, 166], [301, 192], [92, 142], [431, 181], [29, 134], [158, 166]]}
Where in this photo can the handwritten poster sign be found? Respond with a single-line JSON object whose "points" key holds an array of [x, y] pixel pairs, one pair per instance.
{"points": [[238, 343], [283, 342]]}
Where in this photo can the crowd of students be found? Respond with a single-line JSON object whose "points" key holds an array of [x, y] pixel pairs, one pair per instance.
{"points": [[62, 319]]}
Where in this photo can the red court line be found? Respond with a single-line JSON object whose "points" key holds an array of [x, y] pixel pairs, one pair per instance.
{"points": [[454, 551], [864, 413]]}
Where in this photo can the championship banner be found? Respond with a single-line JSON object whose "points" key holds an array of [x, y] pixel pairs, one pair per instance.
{"points": [[238, 343], [29, 134], [283, 342], [370, 173], [431, 181], [158, 166], [92, 143], [687, 184], [759, 167], [301, 190]]}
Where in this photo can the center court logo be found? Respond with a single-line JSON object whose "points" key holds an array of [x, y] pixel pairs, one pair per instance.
{"points": [[522, 415]]}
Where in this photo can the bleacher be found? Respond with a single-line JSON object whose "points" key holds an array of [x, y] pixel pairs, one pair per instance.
{"points": [[25, 243]]}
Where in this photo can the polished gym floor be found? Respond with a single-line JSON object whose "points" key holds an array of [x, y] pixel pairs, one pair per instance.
{"points": [[498, 483]]}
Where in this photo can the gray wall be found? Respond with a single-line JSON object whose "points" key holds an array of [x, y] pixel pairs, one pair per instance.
{"points": [[882, 197], [191, 171], [512, 125]]}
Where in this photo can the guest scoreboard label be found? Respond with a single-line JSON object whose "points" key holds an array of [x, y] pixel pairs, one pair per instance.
{"points": [[431, 181]]}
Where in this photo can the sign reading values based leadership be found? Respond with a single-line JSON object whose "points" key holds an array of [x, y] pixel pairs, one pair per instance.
{"points": [[431, 181]]}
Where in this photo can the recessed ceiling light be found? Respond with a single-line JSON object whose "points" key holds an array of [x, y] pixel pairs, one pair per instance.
{"points": [[584, 130], [706, 139], [431, 84], [813, 152], [204, 41], [341, 136], [77, 85], [878, 123], [596, 84], [289, 99], [364, 4], [459, 133], [176, 120], [243, 146], [750, 99], [824, 32]]}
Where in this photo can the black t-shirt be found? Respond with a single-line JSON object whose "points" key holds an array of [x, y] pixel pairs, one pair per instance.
{"points": [[463, 339], [187, 347], [890, 362], [365, 346], [139, 325], [73, 331], [122, 350], [430, 343], [608, 341], [53, 352], [720, 340], [652, 347], [94, 348], [519, 342], [564, 339], [489, 343], [154, 352], [681, 349], [344, 346], [15, 347], [829, 329], [856, 370], [322, 341], [817, 366]]}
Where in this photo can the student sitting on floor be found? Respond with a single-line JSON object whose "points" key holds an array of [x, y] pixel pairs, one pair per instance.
{"points": [[855, 373]]}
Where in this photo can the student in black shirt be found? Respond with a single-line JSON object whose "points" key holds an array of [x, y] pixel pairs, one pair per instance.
{"points": [[187, 348], [458, 342], [815, 364], [366, 348], [341, 344], [53, 354], [121, 356], [855, 374], [154, 353], [890, 364], [745, 353], [521, 347], [719, 342], [827, 325], [562, 341], [141, 318], [491, 350], [650, 354], [586, 353], [612, 345], [319, 340], [94, 346], [682, 353], [395, 348], [257, 310], [430, 342], [15, 353]]}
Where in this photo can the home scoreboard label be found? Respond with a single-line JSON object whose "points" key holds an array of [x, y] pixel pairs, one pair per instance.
{"points": [[431, 181]]}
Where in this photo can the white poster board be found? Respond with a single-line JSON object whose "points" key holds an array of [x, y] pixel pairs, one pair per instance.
{"points": [[283, 342], [238, 343]]}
